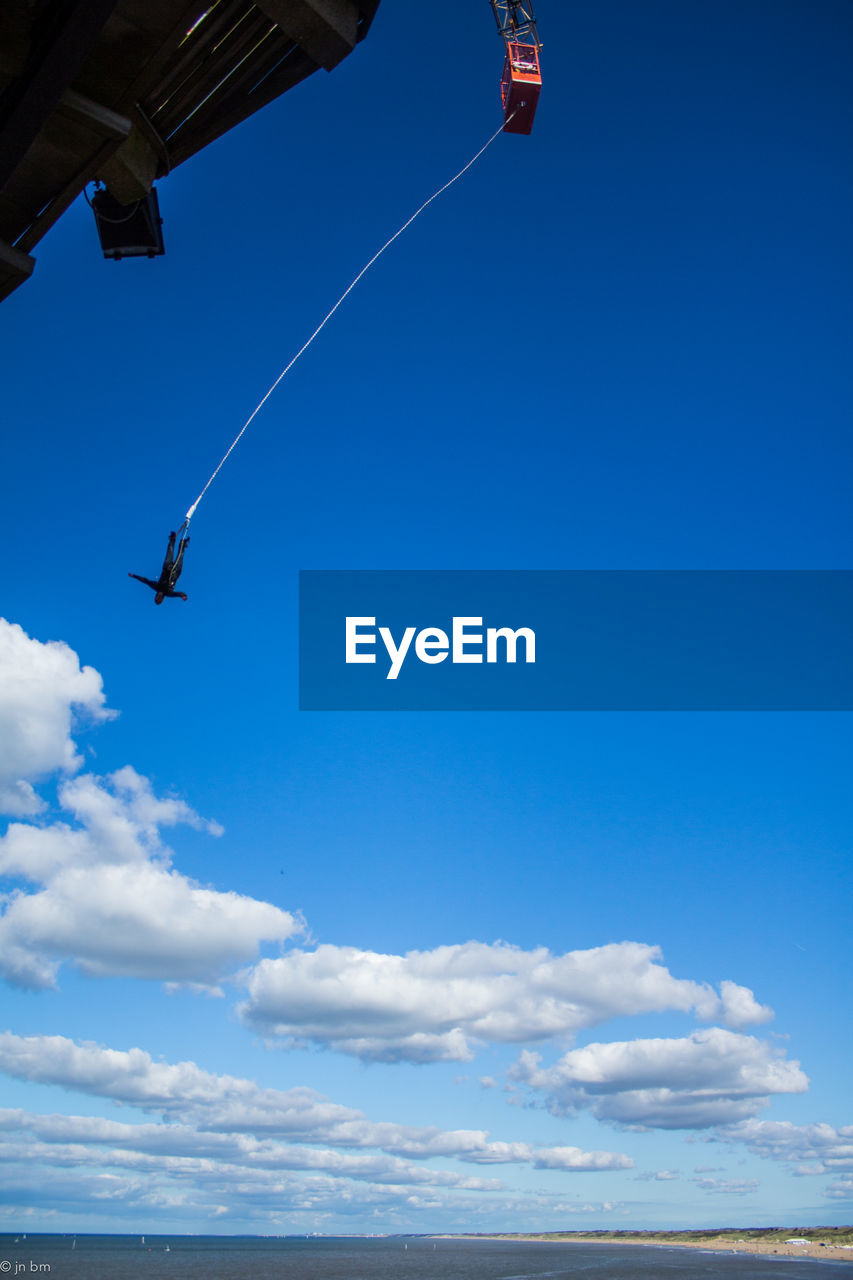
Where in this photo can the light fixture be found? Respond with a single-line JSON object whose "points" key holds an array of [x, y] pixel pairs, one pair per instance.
{"points": [[128, 230]]}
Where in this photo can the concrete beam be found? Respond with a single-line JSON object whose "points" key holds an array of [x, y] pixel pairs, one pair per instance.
{"points": [[40, 91], [108, 123], [15, 268], [130, 171], [69, 193], [326, 29]]}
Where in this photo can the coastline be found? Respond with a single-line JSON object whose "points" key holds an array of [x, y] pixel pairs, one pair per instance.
{"points": [[819, 1250]]}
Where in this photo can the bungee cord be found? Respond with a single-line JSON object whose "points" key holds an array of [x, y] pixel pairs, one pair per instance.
{"points": [[192, 510]]}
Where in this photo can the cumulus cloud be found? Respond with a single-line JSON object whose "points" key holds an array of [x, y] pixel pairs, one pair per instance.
{"points": [[429, 1006], [829, 1149], [709, 1078], [183, 1150], [99, 889], [81, 1184], [739, 1007], [183, 1093], [42, 686], [575, 1158], [106, 894], [227, 1148], [111, 901], [81, 1191], [139, 922], [180, 1089]]}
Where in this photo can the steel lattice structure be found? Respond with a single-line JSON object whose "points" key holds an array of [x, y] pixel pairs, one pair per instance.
{"points": [[516, 22]]}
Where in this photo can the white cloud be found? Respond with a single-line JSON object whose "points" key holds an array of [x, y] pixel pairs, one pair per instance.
{"points": [[727, 1187], [225, 1105], [102, 893], [709, 1078], [81, 1183], [429, 1006], [111, 901], [41, 686], [106, 896], [232, 1199], [83, 1167], [739, 1007], [840, 1190], [133, 921], [831, 1149], [79, 1192], [183, 1089], [181, 1149], [575, 1158]]}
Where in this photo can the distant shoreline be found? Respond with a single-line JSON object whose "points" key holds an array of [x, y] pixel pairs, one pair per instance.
{"points": [[821, 1246]]}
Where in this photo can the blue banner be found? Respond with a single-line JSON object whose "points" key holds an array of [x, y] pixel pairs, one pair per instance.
{"points": [[576, 640]]}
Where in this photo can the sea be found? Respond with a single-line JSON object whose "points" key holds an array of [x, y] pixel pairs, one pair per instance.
{"points": [[108, 1257]]}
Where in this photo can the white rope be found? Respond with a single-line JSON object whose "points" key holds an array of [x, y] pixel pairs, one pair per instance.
{"points": [[328, 317]]}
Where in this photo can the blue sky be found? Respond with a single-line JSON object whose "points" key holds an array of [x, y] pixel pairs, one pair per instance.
{"points": [[437, 971]]}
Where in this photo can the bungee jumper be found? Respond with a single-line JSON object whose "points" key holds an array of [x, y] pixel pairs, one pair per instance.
{"points": [[520, 87], [171, 571]]}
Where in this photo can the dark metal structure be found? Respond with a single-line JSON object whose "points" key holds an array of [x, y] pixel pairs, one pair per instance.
{"points": [[516, 22], [522, 79], [125, 90]]}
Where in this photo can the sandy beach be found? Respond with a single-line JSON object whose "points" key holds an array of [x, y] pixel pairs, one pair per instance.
{"points": [[822, 1250]]}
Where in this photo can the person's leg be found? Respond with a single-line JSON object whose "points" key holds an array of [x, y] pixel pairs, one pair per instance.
{"points": [[179, 562], [170, 557]]}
